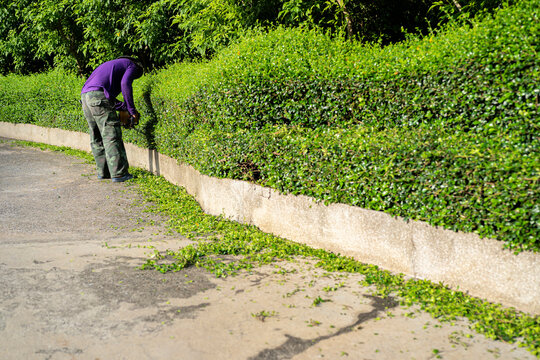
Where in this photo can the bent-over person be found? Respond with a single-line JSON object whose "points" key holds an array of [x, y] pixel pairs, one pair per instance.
{"points": [[100, 106]]}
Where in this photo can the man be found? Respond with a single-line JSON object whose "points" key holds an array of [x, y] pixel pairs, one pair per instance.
{"points": [[98, 98]]}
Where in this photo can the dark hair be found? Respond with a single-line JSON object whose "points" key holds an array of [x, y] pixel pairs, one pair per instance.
{"points": [[135, 60]]}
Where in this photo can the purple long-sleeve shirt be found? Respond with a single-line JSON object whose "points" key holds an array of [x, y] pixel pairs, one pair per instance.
{"points": [[113, 77]]}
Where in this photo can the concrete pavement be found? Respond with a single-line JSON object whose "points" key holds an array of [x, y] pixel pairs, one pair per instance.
{"points": [[70, 287]]}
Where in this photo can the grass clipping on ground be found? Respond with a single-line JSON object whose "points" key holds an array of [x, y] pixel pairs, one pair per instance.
{"points": [[216, 237]]}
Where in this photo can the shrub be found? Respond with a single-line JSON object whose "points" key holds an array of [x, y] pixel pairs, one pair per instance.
{"points": [[49, 99], [441, 129]]}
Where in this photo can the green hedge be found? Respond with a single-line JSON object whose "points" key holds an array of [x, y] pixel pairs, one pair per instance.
{"points": [[50, 100], [442, 129]]}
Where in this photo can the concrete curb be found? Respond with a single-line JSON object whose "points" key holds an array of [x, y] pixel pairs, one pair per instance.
{"points": [[477, 266]]}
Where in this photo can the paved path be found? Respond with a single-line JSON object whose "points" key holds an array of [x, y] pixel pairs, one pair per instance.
{"points": [[70, 288]]}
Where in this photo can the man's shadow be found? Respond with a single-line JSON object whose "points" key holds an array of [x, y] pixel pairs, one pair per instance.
{"points": [[148, 131]]}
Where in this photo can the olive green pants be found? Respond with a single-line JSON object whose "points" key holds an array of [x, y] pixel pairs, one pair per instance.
{"points": [[105, 135]]}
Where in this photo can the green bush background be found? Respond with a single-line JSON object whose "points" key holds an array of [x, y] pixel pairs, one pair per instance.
{"points": [[78, 35], [442, 128]]}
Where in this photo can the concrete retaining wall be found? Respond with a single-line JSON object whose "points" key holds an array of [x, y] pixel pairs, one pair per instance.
{"points": [[477, 266]]}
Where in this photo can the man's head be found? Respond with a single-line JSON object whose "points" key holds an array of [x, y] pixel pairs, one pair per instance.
{"points": [[135, 61]]}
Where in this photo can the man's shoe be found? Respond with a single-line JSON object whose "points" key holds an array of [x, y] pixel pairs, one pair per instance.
{"points": [[103, 177], [123, 178]]}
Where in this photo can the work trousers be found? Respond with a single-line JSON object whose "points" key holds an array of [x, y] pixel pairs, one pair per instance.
{"points": [[105, 135]]}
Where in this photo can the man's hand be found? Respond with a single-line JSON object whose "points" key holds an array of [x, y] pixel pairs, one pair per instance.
{"points": [[135, 119]]}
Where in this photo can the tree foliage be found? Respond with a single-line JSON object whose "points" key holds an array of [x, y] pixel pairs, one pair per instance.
{"points": [[77, 35]]}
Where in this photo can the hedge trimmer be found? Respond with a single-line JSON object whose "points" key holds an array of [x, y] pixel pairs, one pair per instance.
{"points": [[127, 120]]}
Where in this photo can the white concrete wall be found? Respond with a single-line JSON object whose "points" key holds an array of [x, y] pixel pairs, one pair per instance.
{"points": [[477, 266]]}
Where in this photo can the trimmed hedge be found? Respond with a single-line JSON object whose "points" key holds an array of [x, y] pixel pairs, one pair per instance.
{"points": [[49, 99], [442, 129]]}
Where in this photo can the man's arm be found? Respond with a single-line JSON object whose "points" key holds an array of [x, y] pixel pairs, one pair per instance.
{"points": [[126, 86]]}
